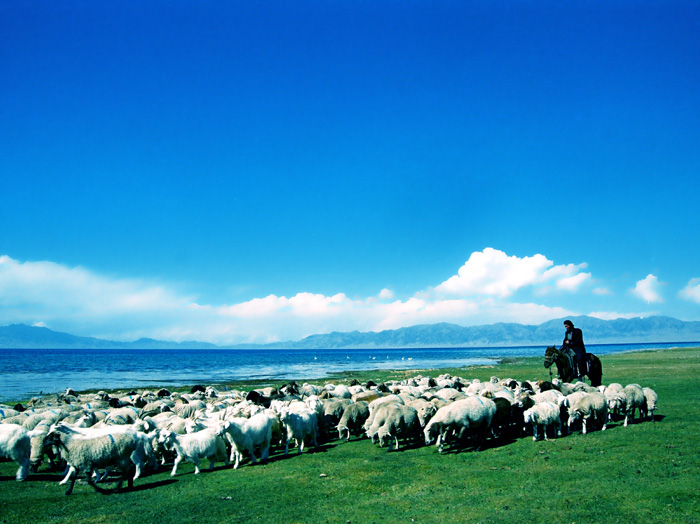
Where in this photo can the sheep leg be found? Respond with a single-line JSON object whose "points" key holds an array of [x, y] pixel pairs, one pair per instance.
{"points": [[397, 442], [23, 470], [92, 483], [178, 459], [69, 474], [196, 465], [300, 446], [72, 474]]}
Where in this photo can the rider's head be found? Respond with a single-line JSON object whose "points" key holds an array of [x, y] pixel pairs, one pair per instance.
{"points": [[568, 325]]}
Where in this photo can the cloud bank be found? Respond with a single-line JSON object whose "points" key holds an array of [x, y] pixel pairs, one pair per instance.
{"points": [[482, 291]]}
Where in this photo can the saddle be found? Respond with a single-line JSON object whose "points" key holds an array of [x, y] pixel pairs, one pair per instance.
{"points": [[570, 355]]}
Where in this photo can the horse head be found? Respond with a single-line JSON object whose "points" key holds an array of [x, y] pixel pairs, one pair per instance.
{"points": [[550, 355]]}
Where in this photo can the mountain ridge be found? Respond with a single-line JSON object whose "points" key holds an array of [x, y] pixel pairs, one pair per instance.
{"points": [[618, 331]]}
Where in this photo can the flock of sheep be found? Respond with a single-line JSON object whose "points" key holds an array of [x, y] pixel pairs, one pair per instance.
{"points": [[93, 434]]}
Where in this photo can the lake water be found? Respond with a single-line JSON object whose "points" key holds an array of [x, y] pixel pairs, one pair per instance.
{"points": [[31, 372]]}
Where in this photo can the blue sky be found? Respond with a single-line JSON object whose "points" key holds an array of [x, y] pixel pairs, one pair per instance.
{"points": [[262, 171]]}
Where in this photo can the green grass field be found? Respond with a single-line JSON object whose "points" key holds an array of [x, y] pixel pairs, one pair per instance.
{"points": [[647, 472]]}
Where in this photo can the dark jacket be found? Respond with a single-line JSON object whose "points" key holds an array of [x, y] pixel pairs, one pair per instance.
{"points": [[576, 342]]}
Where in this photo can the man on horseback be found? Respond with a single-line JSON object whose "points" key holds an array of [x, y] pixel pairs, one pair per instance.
{"points": [[573, 341]]}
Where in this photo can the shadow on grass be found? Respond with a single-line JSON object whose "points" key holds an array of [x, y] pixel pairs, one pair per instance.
{"points": [[144, 487]]}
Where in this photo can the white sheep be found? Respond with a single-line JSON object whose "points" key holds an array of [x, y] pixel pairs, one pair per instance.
{"points": [[378, 418], [15, 444], [635, 400], [616, 399], [85, 453], [246, 434], [300, 426], [590, 407], [545, 414], [192, 446], [652, 400], [469, 413], [402, 421], [354, 416], [374, 406], [6, 412], [425, 410]]}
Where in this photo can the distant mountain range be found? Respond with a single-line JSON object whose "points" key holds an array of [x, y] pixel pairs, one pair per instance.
{"points": [[595, 331]]}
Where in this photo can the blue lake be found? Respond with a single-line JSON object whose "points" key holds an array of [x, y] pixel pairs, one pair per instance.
{"points": [[31, 372]]}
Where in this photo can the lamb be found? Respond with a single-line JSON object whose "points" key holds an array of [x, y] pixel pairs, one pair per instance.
{"points": [[354, 416], [545, 414], [425, 410], [589, 407], [247, 434], [402, 421], [652, 400], [300, 426], [469, 413], [635, 400], [15, 444], [87, 453], [192, 446]]}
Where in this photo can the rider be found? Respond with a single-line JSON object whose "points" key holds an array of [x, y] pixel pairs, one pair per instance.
{"points": [[573, 341]]}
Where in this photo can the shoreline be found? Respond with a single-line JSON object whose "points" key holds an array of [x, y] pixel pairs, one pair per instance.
{"points": [[341, 376]]}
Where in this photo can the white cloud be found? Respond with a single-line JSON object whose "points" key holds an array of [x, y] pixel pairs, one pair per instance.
{"points": [[574, 282], [648, 289], [386, 294], [691, 291], [601, 291], [79, 301], [493, 273]]}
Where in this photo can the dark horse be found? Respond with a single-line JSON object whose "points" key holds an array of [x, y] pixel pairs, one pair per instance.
{"points": [[555, 356]]}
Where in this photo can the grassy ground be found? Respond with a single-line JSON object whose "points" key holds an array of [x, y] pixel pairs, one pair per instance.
{"points": [[647, 472]]}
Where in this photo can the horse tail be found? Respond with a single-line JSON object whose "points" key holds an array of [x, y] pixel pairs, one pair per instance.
{"points": [[595, 370]]}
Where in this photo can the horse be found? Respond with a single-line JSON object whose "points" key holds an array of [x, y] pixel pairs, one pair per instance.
{"points": [[552, 355]]}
